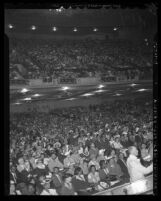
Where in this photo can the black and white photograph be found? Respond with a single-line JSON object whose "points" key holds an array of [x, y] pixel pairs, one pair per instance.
{"points": [[81, 100]]}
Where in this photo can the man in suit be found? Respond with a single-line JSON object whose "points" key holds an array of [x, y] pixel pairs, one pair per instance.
{"points": [[13, 176], [121, 161], [57, 181], [104, 172]]}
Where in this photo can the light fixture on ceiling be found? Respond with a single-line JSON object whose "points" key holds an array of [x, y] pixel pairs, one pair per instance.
{"points": [[71, 99], [54, 29], [17, 103], [65, 88], [99, 91], [27, 99], [95, 29], [75, 29], [59, 10], [24, 90], [10, 26], [141, 90], [87, 94], [118, 94], [133, 85], [36, 95], [33, 27], [100, 86], [115, 28]]}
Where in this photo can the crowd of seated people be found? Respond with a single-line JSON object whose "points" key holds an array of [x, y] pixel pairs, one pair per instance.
{"points": [[79, 150], [85, 58]]}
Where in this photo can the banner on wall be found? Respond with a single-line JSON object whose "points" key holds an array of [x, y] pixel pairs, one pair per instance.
{"points": [[19, 82], [108, 79], [67, 81]]}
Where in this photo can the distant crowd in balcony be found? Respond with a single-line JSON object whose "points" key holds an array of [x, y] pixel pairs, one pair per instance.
{"points": [[34, 59]]}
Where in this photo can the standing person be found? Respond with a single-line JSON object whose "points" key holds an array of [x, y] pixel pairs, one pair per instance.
{"points": [[104, 172], [114, 168], [122, 162], [136, 170], [57, 179]]}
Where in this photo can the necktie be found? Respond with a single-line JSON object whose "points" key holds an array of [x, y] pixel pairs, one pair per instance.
{"points": [[58, 178], [14, 177]]}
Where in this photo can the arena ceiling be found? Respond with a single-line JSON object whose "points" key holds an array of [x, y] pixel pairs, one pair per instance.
{"points": [[108, 91], [45, 19]]}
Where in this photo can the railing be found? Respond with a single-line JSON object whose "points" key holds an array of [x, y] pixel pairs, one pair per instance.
{"points": [[45, 82], [138, 187], [19, 82], [109, 79], [67, 81]]}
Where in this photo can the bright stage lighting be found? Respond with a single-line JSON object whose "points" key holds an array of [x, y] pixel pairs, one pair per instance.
{"points": [[24, 90], [100, 86], [65, 88]]}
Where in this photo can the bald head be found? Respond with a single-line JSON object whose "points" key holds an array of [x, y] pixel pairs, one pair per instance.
{"points": [[133, 150]]}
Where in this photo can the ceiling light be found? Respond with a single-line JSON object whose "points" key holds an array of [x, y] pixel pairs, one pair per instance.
{"points": [[33, 27], [114, 28], [87, 94], [65, 88], [99, 91], [24, 90], [17, 103], [54, 29], [95, 29], [71, 99], [60, 9], [117, 94], [132, 85], [75, 29], [140, 90], [101, 86], [27, 99], [10, 26], [36, 95]]}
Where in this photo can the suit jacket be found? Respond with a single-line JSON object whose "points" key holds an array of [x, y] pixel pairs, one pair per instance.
{"points": [[13, 177], [22, 176], [57, 183], [124, 168], [66, 191], [79, 184], [103, 175]]}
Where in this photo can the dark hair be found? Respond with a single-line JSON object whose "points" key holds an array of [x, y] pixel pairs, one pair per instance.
{"points": [[77, 170], [90, 168], [30, 184], [67, 175], [101, 163]]}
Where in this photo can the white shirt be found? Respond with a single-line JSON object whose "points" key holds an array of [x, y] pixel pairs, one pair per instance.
{"points": [[51, 192], [117, 145], [136, 170]]}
